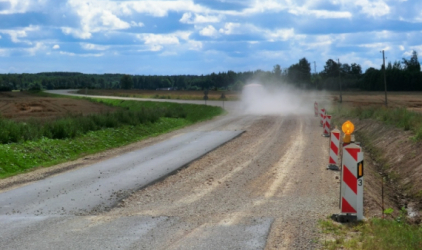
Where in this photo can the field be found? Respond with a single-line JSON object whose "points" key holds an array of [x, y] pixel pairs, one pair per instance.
{"points": [[39, 130], [20, 106], [410, 100], [164, 94]]}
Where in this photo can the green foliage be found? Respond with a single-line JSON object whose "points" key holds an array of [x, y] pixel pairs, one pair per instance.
{"points": [[388, 211], [126, 82], [399, 117], [118, 129], [73, 126], [373, 234]]}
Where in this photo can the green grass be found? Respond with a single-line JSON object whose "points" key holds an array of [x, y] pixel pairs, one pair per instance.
{"points": [[373, 234], [24, 155], [398, 117]]}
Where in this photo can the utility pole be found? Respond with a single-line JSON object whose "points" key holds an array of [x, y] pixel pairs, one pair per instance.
{"points": [[385, 80], [316, 80], [339, 76]]}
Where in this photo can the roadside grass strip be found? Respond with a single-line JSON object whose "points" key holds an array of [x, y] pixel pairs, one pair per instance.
{"points": [[374, 234], [23, 155], [399, 117]]}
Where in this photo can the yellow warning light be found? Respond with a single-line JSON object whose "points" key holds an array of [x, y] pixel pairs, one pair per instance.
{"points": [[360, 169], [348, 127]]}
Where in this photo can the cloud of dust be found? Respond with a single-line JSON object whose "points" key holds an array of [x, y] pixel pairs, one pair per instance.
{"points": [[258, 99]]}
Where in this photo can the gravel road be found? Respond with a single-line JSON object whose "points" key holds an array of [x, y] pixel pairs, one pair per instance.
{"points": [[265, 189]]}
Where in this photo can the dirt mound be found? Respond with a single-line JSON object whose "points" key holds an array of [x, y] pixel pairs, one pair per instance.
{"points": [[22, 106]]}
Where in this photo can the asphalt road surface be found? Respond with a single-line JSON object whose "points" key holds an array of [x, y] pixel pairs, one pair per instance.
{"points": [[238, 182]]}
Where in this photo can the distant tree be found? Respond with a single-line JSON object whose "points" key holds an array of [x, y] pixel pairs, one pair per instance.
{"points": [[355, 69], [126, 82], [412, 64], [300, 72], [277, 71], [331, 68]]}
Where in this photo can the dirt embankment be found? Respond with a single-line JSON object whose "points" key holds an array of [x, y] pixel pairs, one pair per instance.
{"points": [[390, 153]]}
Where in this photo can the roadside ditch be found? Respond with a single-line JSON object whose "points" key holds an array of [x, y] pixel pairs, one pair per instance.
{"points": [[393, 168]]}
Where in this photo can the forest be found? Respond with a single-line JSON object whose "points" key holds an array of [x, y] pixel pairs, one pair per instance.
{"points": [[403, 75]]}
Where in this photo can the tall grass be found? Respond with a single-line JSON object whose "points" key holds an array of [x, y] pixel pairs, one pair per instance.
{"points": [[130, 113], [374, 234], [400, 117], [74, 125]]}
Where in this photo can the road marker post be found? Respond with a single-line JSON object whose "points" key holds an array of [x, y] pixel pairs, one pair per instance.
{"points": [[321, 116], [351, 184], [316, 109], [333, 162], [327, 125]]}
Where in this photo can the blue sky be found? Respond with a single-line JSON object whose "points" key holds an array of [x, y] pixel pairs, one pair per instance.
{"points": [[202, 36]]}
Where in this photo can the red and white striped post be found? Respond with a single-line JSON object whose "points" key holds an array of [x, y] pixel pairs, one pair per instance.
{"points": [[327, 125], [321, 116], [333, 162], [352, 181], [316, 109]]}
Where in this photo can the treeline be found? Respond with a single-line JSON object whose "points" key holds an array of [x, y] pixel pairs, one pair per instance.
{"points": [[65, 80], [404, 75]]}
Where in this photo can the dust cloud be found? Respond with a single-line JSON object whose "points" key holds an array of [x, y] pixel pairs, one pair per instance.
{"points": [[258, 99]]}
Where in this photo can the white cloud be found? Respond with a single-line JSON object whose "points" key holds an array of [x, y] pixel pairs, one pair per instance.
{"points": [[324, 14], [135, 24], [196, 18], [230, 28], [95, 16], [401, 47], [161, 8], [56, 46], [4, 52], [65, 53], [280, 34], [373, 8], [38, 46], [23, 6], [90, 46], [83, 34], [159, 39], [195, 45], [16, 35], [209, 31], [156, 47]]}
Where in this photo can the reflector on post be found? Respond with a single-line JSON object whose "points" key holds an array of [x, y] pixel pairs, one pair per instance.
{"points": [[360, 169]]}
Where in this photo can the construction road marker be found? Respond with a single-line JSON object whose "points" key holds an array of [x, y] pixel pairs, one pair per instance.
{"points": [[316, 109], [321, 116], [333, 162], [352, 181], [327, 126]]}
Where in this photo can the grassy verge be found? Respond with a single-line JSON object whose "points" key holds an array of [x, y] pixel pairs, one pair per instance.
{"points": [[398, 117], [373, 234], [19, 157]]}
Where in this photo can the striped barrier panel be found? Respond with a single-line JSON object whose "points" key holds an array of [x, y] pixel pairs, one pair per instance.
{"points": [[316, 109], [333, 162], [327, 125], [352, 181], [321, 116]]}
